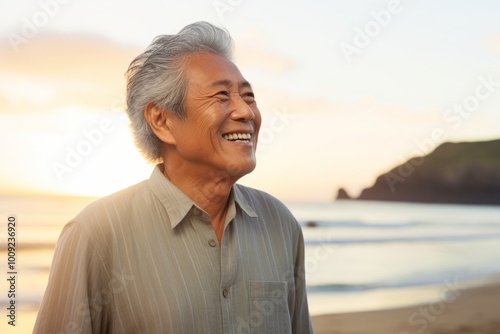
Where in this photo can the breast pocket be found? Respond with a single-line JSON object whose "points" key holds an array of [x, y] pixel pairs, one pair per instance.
{"points": [[269, 308]]}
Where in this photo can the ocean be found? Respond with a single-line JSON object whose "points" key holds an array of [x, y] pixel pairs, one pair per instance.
{"points": [[360, 255]]}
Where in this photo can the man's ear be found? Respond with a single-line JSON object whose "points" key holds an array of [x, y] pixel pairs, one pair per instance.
{"points": [[160, 122]]}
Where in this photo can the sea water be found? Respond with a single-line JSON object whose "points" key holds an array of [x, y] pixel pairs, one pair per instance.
{"points": [[363, 255], [359, 255]]}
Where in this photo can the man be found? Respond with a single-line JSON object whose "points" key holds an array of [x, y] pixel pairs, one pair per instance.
{"points": [[187, 251]]}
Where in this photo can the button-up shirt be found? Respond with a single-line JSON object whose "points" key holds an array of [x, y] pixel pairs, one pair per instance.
{"points": [[147, 260]]}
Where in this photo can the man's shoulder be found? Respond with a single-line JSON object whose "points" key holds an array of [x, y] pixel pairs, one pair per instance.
{"points": [[263, 202], [109, 217], [123, 198], [114, 208]]}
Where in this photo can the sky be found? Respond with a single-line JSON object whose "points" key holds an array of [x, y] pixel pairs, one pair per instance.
{"points": [[347, 89]]}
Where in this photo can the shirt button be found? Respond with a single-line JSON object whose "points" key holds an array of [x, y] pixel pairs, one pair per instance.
{"points": [[212, 243], [225, 292], [197, 212]]}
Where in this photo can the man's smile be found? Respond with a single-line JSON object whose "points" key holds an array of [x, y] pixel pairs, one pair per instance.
{"points": [[238, 137]]}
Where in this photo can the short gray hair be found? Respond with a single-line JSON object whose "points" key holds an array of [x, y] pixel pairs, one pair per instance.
{"points": [[156, 76]]}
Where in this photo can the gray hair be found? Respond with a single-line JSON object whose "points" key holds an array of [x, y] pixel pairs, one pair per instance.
{"points": [[156, 76]]}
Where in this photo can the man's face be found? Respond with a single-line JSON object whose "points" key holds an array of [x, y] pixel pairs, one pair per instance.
{"points": [[219, 133]]}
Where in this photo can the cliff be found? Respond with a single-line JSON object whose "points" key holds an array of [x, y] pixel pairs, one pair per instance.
{"points": [[464, 173]]}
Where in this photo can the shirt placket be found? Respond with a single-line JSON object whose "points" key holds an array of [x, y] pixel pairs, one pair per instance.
{"points": [[228, 295], [203, 225], [227, 298]]}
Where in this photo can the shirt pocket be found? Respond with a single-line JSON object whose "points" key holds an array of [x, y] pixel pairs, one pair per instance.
{"points": [[269, 308]]}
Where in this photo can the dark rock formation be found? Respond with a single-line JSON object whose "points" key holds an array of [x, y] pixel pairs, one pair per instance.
{"points": [[342, 194], [465, 173]]}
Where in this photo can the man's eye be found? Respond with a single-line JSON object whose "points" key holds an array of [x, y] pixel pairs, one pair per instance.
{"points": [[223, 92], [249, 97]]}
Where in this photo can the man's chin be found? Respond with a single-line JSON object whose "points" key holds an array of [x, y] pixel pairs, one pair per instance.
{"points": [[237, 170]]}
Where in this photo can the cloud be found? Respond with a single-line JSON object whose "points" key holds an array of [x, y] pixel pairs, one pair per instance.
{"points": [[56, 71], [364, 110], [493, 42], [253, 52]]}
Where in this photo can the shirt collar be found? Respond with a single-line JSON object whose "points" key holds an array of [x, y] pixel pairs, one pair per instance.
{"points": [[242, 202], [179, 205]]}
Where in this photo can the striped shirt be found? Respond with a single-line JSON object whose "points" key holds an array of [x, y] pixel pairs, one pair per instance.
{"points": [[147, 260]]}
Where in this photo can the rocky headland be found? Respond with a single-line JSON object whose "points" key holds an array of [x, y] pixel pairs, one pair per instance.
{"points": [[462, 173]]}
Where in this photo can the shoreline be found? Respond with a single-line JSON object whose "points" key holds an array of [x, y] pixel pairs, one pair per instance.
{"points": [[471, 306], [475, 309]]}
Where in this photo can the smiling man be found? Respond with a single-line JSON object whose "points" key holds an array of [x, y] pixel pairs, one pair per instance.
{"points": [[189, 250]]}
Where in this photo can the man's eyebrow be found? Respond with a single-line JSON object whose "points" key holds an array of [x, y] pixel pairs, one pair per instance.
{"points": [[243, 84]]}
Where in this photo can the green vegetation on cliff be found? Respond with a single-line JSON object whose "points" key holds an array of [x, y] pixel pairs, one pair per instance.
{"points": [[467, 172]]}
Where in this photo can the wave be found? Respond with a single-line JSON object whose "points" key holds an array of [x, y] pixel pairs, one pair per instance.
{"points": [[419, 239], [346, 288], [339, 287], [29, 246], [358, 224], [440, 279]]}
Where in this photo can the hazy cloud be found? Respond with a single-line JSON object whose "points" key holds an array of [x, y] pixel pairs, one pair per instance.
{"points": [[55, 71], [253, 52], [493, 42]]}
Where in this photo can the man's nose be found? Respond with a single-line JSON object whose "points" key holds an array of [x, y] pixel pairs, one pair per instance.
{"points": [[241, 111]]}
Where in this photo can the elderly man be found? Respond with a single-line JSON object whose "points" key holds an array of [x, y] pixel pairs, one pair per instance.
{"points": [[187, 251]]}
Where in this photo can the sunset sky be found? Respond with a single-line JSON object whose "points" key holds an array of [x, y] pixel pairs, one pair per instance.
{"points": [[347, 89]]}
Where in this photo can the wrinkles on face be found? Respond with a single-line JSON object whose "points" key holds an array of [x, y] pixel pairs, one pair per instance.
{"points": [[198, 103], [218, 101]]}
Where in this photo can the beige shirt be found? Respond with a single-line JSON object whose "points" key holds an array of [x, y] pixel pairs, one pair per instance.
{"points": [[147, 260]]}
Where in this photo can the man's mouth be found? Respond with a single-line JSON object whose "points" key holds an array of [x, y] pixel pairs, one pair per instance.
{"points": [[238, 137]]}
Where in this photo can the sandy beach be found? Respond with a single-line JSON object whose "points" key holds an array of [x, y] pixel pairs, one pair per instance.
{"points": [[474, 311]]}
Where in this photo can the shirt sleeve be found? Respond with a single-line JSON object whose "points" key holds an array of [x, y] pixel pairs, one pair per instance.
{"points": [[75, 300], [301, 321]]}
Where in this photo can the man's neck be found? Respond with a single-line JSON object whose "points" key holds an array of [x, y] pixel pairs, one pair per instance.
{"points": [[209, 190]]}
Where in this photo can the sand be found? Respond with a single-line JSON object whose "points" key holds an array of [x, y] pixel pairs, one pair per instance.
{"points": [[472, 311]]}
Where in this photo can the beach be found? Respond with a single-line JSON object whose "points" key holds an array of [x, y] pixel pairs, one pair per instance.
{"points": [[474, 310], [371, 267]]}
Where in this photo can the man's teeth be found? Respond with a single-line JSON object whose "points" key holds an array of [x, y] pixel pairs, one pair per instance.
{"points": [[237, 136]]}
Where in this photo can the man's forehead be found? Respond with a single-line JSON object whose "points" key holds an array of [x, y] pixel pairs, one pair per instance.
{"points": [[213, 70], [226, 83]]}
